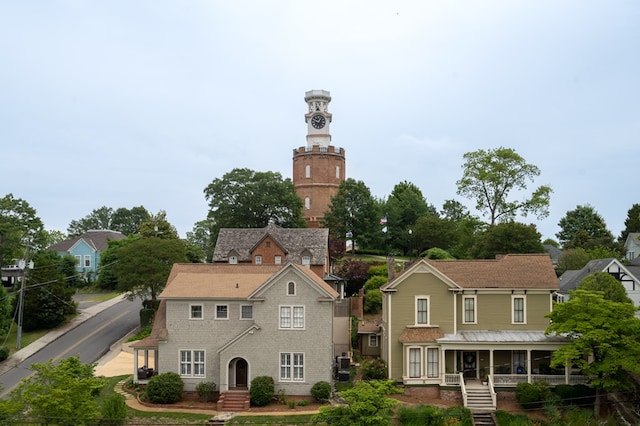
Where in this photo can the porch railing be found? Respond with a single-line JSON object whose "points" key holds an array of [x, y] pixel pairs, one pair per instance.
{"points": [[552, 379], [492, 391], [463, 389], [452, 379]]}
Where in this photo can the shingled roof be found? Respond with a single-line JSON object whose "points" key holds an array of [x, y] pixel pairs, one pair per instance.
{"points": [[97, 239], [514, 271], [294, 241]]}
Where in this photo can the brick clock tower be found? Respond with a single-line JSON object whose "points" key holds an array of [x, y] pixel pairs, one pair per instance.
{"points": [[318, 167]]}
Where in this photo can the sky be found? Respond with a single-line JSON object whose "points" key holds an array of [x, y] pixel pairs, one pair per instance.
{"points": [[125, 103]]}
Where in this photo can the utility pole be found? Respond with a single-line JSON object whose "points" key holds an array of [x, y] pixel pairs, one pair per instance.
{"points": [[23, 265]]}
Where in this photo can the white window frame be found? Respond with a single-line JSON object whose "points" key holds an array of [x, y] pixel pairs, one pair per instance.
{"points": [[192, 310], [291, 366], [78, 260], [277, 259], [433, 363], [258, 259], [306, 261], [190, 361], [373, 341], [466, 320], [412, 362], [242, 317], [337, 172], [291, 317], [524, 308], [307, 171], [87, 261], [217, 316], [233, 260], [291, 288], [428, 314]]}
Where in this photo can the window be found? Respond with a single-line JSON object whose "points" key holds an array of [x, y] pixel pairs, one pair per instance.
{"points": [[233, 260], [267, 244], [307, 171], [292, 366], [422, 310], [469, 309], [307, 203], [414, 362], [78, 259], [519, 309], [87, 261], [292, 317], [291, 288], [246, 312], [278, 259], [192, 363], [258, 260], [306, 261], [195, 312], [222, 312], [433, 362], [373, 341], [337, 172]]}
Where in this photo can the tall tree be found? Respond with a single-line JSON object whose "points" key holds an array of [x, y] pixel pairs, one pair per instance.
{"points": [[143, 265], [99, 218], [202, 237], [490, 176], [158, 226], [244, 198], [631, 223], [19, 227], [605, 340], [507, 238], [572, 260], [353, 210], [403, 208], [128, 221], [584, 228], [122, 219]]}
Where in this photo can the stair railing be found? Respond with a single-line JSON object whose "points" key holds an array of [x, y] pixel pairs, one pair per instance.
{"points": [[492, 391], [463, 389]]}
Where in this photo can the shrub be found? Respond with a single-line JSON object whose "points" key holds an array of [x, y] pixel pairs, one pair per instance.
{"points": [[165, 388], [4, 353], [378, 270], [532, 395], [375, 282], [303, 403], [146, 317], [321, 391], [262, 390], [373, 301], [114, 410], [205, 391], [374, 369]]}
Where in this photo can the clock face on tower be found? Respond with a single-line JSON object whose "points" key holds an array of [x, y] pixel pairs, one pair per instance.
{"points": [[318, 121]]}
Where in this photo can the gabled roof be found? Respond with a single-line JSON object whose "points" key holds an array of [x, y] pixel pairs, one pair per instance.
{"points": [[632, 236], [571, 279], [225, 281], [513, 271], [293, 241], [97, 240]]}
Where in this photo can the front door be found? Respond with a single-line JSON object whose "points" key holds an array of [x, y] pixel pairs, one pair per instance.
{"points": [[469, 364], [241, 373]]}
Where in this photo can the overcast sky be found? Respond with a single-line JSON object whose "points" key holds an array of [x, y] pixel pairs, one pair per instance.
{"points": [[128, 103]]}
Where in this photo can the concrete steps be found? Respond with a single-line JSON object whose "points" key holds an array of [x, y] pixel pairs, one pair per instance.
{"points": [[479, 399], [236, 400]]}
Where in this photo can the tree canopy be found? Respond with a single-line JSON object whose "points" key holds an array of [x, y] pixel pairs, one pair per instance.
{"points": [[611, 288], [143, 265], [605, 339], [584, 228], [507, 238], [122, 219], [19, 227], [631, 223], [489, 176]]}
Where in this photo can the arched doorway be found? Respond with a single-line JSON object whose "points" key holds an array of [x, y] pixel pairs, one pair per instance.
{"points": [[238, 373]]}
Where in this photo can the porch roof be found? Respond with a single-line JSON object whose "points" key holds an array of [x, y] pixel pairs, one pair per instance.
{"points": [[501, 336], [420, 334]]}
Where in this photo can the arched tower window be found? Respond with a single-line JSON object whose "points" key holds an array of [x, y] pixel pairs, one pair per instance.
{"points": [[307, 171], [337, 172], [307, 203]]}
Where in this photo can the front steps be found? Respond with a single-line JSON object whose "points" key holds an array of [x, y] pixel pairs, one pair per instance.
{"points": [[235, 400], [479, 398]]}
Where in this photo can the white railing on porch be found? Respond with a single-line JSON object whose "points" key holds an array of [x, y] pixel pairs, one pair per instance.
{"points": [[452, 379], [552, 379], [463, 389], [494, 397]]}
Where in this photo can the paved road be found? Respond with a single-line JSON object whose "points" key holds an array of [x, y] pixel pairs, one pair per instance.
{"points": [[89, 336]]}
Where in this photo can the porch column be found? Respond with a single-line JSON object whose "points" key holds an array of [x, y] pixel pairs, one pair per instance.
{"points": [[491, 363], [146, 357], [567, 372], [443, 360], [528, 365], [135, 365]]}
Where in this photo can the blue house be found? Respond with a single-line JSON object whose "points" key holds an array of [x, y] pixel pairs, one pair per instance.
{"points": [[86, 248]]}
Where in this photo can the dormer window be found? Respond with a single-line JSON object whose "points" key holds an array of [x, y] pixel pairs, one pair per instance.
{"points": [[306, 261], [233, 260]]}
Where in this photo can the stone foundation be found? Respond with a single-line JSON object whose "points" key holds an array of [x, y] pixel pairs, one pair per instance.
{"points": [[423, 392], [451, 395]]}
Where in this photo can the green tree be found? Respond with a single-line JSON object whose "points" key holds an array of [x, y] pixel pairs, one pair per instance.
{"points": [[99, 218], [507, 238], [605, 340], [631, 223], [158, 226], [572, 260], [366, 403], [108, 279], [202, 237], [437, 253], [62, 393], [143, 265], [47, 297], [353, 210], [122, 219], [584, 227], [611, 288], [19, 226], [490, 176], [53, 237], [403, 208], [244, 198], [128, 221]]}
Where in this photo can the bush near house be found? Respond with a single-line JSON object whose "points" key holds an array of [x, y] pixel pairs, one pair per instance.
{"points": [[321, 391], [165, 388], [374, 369], [262, 390], [533, 395]]}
